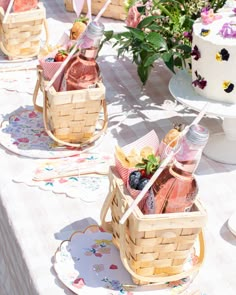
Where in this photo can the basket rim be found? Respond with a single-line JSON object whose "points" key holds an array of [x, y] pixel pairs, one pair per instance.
{"points": [[40, 6], [53, 92]]}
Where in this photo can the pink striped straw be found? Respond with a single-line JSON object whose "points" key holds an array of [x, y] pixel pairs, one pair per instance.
{"points": [[7, 11]]}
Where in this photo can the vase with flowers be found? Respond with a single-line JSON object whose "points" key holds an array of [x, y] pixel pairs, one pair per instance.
{"points": [[159, 29]]}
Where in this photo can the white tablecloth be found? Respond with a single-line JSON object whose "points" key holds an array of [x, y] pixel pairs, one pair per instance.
{"points": [[34, 222]]}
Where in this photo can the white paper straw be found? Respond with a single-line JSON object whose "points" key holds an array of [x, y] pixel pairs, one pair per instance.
{"points": [[160, 169], [64, 63], [147, 187], [197, 119], [7, 11], [102, 10]]}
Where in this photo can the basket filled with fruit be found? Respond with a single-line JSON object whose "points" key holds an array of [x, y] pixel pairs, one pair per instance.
{"points": [[21, 24], [154, 245]]}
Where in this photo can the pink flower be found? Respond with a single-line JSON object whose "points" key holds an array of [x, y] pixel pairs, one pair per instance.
{"points": [[32, 115], [208, 16], [113, 266], [23, 139], [133, 18], [79, 283]]}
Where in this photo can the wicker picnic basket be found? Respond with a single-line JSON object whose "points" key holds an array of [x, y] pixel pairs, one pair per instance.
{"points": [[155, 247], [20, 33], [115, 9], [70, 117]]}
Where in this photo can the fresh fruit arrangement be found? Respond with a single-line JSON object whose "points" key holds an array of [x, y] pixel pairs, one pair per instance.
{"points": [[131, 159], [78, 27], [60, 56], [145, 169]]}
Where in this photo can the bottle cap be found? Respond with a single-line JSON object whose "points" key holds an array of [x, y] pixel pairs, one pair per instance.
{"points": [[198, 134], [96, 28]]}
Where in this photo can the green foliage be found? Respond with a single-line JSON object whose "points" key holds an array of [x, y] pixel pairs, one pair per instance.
{"points": [[150, 165], [161, 33]]}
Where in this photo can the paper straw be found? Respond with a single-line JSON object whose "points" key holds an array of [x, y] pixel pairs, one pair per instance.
{"points": [[89, 13], [64, 63], [160, 169], [8, 11], [102, 10], [146, 188], [197, 119]]}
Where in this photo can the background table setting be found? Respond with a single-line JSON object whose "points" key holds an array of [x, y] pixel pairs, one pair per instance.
{"points": [[47, 226]]}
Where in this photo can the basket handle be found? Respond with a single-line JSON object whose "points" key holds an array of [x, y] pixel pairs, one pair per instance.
{"points": [[160, 279], [6, 52], [106, 225], [36, 90]]}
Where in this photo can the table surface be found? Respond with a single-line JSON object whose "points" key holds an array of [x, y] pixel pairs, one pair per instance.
{"points": [[33, 222]]}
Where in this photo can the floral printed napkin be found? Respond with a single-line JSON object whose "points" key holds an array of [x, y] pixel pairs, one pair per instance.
{"points": [[89, 187]]}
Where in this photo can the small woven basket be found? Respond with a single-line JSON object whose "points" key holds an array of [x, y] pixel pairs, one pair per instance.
{"points": [[115, 9], [21, 31], [155, 247], [70, 117]]}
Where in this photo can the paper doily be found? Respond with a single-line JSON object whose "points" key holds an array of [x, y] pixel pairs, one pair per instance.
{"points": [[23, 133]]}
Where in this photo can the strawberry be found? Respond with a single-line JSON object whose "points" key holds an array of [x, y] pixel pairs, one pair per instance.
{"points": [[149, 166], [61, 55]]}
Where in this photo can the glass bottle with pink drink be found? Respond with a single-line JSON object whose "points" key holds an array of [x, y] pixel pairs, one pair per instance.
{"points": [[176, 187], [82, 71]]}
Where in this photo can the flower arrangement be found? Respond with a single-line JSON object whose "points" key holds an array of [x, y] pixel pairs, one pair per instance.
{"points": [[159, 29]]}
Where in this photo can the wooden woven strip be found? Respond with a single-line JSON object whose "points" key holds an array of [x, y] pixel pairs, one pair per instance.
{"points": [[115, 9], [21, 32]]}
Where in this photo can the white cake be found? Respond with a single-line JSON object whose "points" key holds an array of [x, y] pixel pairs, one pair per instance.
{"points": [[214, 57]]}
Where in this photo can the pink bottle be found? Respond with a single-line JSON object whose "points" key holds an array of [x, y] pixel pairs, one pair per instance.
{"points": [[176, 188]]}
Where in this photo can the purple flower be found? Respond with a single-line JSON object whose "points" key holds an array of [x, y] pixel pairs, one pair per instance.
{"points": [[227, 30], [234, 10], [199, 82], [205, 9], [196, 53], [188, 35]]}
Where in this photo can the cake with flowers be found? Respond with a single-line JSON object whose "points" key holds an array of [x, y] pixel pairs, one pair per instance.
{"points": [[214, 55]]}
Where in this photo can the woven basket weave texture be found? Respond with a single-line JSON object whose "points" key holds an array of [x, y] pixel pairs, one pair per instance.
{"points": [[73, 114], [157, 244], [115, 9], [20, 34]]}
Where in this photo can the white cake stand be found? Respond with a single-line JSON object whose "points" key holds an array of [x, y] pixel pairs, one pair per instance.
{"points": [[221, 147]]}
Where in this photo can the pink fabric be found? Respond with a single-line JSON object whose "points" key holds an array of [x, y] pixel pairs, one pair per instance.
{"points": [[24, 5], [4, 4], [133, 18], [49, 69]]}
